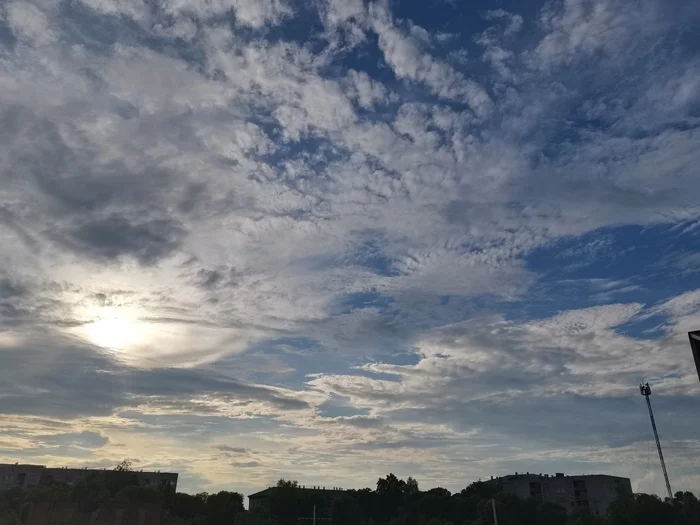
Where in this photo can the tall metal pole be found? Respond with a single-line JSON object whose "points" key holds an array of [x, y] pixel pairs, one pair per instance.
{"points": [[645, 390], [493, 507]]}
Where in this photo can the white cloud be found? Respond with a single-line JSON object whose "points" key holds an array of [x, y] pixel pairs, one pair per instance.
{"points": [[136, 9], [576, 29], [29, 23], [365, 90], [495, 38], [686, 262], [682, 312], [256, 13], [576, 353], [182, 28], [253, 13], [404, 56], [340, 11], [515, 21]]}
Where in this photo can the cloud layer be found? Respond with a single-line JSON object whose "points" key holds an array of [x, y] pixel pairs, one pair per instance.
{"points": [[315, 234]]}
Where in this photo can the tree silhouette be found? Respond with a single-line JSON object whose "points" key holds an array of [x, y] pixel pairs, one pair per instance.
{"points": [[124, 466]]}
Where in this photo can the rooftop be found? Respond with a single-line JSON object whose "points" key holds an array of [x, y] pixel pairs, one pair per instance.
{"points": [[556, 475], [268, 490]]}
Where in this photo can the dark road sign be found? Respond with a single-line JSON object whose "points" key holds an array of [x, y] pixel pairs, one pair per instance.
{"points": [[695, 345]]}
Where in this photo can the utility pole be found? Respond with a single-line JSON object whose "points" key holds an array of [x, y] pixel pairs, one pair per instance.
{"points": [[493, 507], [645, 390]]}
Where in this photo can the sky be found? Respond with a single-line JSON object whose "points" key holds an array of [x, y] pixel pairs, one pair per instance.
{"points": [[326, 240]]}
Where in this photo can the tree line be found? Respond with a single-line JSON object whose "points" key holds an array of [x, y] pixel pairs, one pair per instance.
{"points": [[394, 501], [400, 502]]}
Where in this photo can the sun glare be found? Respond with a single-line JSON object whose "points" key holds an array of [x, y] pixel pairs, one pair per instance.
{"points": [[115, 333]]}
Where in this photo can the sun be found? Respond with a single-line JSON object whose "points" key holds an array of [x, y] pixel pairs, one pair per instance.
{"points": [[114, 332]]}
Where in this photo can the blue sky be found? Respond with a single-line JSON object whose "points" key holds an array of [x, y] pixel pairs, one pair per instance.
{"points": [[328, 240]]}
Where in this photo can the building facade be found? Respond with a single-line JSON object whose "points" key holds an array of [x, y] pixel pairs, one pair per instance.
{"points": [[115, 513], [20, 476], [592, 493], [259, 501], [26, 476]]}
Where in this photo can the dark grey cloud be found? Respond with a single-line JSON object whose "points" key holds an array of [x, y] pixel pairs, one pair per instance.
{"points": [[85, 439], [68, 180], [8, 219], [10, 288], [192, 197], [100, 209], [235, 450], [245, 464], [183, 383], [209, 279], [355, 421], [55, 378], [52, 376], [13, 302], [116, 236]]}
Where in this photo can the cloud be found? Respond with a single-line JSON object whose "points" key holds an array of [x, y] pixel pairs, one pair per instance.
{"points": [[114, 236], [245, 464], [71, 379], [579, 29], [133, 8], [235, 450], [493, 361], [367, 91], [248, 13], [29, 23], [688, 262], [404, 56], [9, 289], [79, 439], [338, 11], [514, 21]]}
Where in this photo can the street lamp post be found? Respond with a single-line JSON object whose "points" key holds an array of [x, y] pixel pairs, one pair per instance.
{"points": [[645, 390]]}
